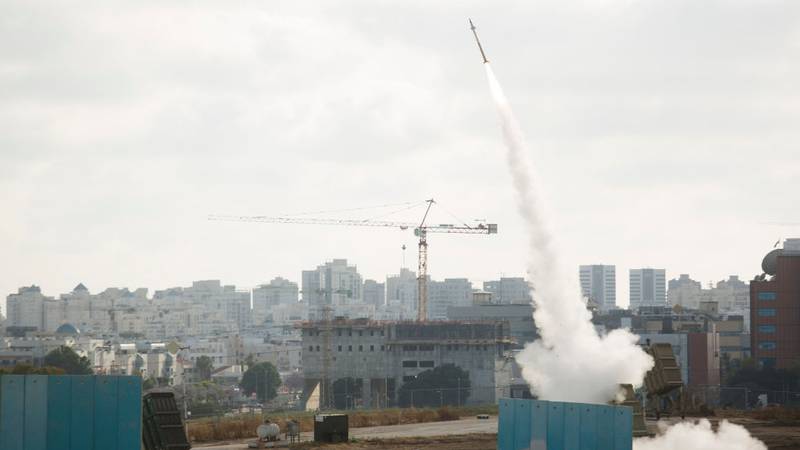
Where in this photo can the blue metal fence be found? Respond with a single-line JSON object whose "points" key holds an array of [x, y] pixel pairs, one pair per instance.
{"points": [[542, 425], [64, 412]]}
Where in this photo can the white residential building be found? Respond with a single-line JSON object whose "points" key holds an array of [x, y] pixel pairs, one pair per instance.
{"points": [[26, 308], [685, 292], [334, 284], [268, 297], [284, 355], [732, 295], [443, 295], [508, 291], [234, 305], [647, 288], [401, 294], [223, 350], [599, 285]]}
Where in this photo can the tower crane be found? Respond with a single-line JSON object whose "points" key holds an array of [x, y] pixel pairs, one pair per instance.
{"points": [[421, 230]]}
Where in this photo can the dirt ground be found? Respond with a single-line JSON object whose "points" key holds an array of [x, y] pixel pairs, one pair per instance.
{"points": [[776, 437], [780, 434], [458, 442]]}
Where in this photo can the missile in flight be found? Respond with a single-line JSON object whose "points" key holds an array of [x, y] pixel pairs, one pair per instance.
{"points": [[480, 47]]}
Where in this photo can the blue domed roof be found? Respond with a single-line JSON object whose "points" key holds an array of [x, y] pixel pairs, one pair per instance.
{"points": [[68, 328]]}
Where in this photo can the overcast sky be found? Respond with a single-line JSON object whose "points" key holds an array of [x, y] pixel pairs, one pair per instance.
{"points": [[666, 133]]}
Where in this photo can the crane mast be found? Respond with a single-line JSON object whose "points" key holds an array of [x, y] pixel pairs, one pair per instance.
{"points": [[422, 280], [421, 230]]}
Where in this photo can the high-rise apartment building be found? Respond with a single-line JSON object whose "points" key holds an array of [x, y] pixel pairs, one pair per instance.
{"points": [[401, 293], [444, 294], [333, 284], [599, 285], [26, 308], [775, 308], [374, 293], [732, 295], [685, 292], [507, 291], [279, 292], [647, 288]]}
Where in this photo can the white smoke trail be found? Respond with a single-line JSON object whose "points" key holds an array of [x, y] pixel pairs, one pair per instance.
{"points": [[570, 362], [700, 436]]}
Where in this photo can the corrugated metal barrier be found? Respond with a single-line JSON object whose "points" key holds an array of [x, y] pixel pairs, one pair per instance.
{"points": [[542, 425], [66, 412]]}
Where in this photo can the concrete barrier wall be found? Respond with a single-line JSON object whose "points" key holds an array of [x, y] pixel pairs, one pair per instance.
{"points": [[64, 412], [542, 425]]}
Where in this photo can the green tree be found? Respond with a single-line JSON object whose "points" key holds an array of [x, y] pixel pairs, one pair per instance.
{"points": [[750, 375], [204, 366], [27, 369], [65, 358], [263, 379], [149, 383], [204, 398], [447, 384]]}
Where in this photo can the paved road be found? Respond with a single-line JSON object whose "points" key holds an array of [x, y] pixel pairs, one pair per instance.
{"points": [[463, 426]]}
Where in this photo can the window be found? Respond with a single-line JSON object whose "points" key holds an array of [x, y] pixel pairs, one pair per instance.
{"points": [[360, 333], [426, 363], [372, 332], [318, 348], [349, 332], [766, 312], [349, 348], [361, 348], [372, 348], [382, 347], [767, 296], [311, 348], [767, 362], [767, 345], [409, 364], [408, 379], [339, 332], [766, 329], [381, 332], [340, 348], [409, 348], [426, 348]]}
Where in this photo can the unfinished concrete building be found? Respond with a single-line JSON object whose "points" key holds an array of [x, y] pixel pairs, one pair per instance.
{"points": [[381, 356]]}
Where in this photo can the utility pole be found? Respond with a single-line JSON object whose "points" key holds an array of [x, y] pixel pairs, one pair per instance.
{"points": [[458, 395]]}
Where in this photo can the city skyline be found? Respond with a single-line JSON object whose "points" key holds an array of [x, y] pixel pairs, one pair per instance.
{"points": [[622, 297]]}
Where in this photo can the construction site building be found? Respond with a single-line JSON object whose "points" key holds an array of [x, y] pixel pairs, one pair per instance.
{"points": [[382, 356]]}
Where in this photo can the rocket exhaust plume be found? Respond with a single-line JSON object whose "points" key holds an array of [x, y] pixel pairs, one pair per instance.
{"points": [[571, 361]]}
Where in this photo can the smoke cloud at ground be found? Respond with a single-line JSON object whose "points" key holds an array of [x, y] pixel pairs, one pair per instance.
{"points": [[700, 436], [570, 361]]}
